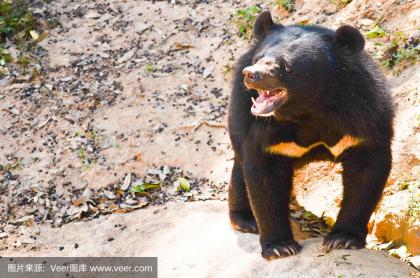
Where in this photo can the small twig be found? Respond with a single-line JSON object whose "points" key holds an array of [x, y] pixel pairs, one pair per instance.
{"points": [[197, 126], [209, 125]]}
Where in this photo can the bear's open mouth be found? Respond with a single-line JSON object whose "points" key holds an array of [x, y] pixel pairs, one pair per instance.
{"points": [[268, 101]]}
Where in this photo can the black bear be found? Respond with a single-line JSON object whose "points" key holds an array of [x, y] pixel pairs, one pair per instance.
{"points": [[305, 93]]}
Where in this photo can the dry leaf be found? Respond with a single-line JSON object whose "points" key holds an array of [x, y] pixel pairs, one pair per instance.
{"points": [[126, 183], [42, 37], [34, 34], [137, 156], [109, 194]]}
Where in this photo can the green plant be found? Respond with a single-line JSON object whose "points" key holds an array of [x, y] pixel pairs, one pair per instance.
{"points": [[410, 54], [244, 19], [340, 3], [397, 54], [149, 68], [398, 37], [288, 5], [87, 159], [95, 137], [82, 154], [414, 204], [16, 20], [4, 72], [375, 32], [18, 25], [78, 133], [226, 69], [5, 57], [24, 61], [10, 166], [143, 187]]}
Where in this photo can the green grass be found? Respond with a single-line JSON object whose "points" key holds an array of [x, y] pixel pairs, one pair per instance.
{"points": [[397, 49], [414, 204], [288, 5], [18, 25], [4, 72], [95, 139], [244, 20], [5, 57], [399, 37], [401, 51], [226, 69], [375, 32], [10, 166], [87, 159], [82, 153], [16, 20], [149, 68], [24, 61], [410, 54]]}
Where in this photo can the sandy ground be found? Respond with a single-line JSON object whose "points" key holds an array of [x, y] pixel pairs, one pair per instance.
{"points": [[131, 86], [195, 239]]}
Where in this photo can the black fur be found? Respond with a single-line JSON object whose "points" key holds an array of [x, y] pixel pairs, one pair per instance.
{"points": [[334, 89]]}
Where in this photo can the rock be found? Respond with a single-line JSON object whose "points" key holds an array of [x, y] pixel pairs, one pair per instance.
{"points": [[92, 15], [366, 22], [318, 189], [127, 56], [395, 221], [3, 235], [196, 238], [207, 71], [415, 261]]}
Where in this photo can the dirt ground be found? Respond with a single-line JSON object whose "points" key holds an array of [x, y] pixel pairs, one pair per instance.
{"points": [[195, 239], [137, 91]]}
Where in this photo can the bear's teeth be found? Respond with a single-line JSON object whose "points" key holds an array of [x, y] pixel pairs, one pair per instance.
{"points": [[253, 100]]}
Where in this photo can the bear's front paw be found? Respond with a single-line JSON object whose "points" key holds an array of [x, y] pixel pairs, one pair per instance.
{"points": [[339, 240], [282, 248], [244, 222]]}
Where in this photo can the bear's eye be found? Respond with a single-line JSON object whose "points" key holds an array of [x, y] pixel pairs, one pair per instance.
{"points": [[256, 59]]}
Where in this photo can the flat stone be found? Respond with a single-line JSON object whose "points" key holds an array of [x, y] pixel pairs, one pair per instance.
{"points": [[195, 238]]}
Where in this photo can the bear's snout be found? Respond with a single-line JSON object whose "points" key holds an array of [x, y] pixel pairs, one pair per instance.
{"points": [[262, 75], [251, 75]]}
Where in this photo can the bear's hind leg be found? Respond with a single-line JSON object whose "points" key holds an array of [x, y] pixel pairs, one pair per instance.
{"points": [[365, 172], [240, 214]]}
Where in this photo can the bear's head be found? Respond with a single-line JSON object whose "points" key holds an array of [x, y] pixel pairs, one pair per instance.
{"points": [[293, 65]]}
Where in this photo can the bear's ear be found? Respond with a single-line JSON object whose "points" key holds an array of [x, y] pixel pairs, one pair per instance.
{"points": [[349, 38], [262, 24]]}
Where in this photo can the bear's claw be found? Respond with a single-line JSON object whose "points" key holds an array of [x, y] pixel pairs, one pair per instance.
{"points": [[280, 249], [243, 222], [339, 240]]}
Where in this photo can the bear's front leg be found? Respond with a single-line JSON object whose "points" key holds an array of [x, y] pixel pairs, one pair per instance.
{"points": [[269, 181], [240, 213], [365, 171]]}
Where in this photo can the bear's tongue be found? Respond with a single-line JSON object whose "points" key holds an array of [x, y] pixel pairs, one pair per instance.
{"points": [[267, 102]]}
